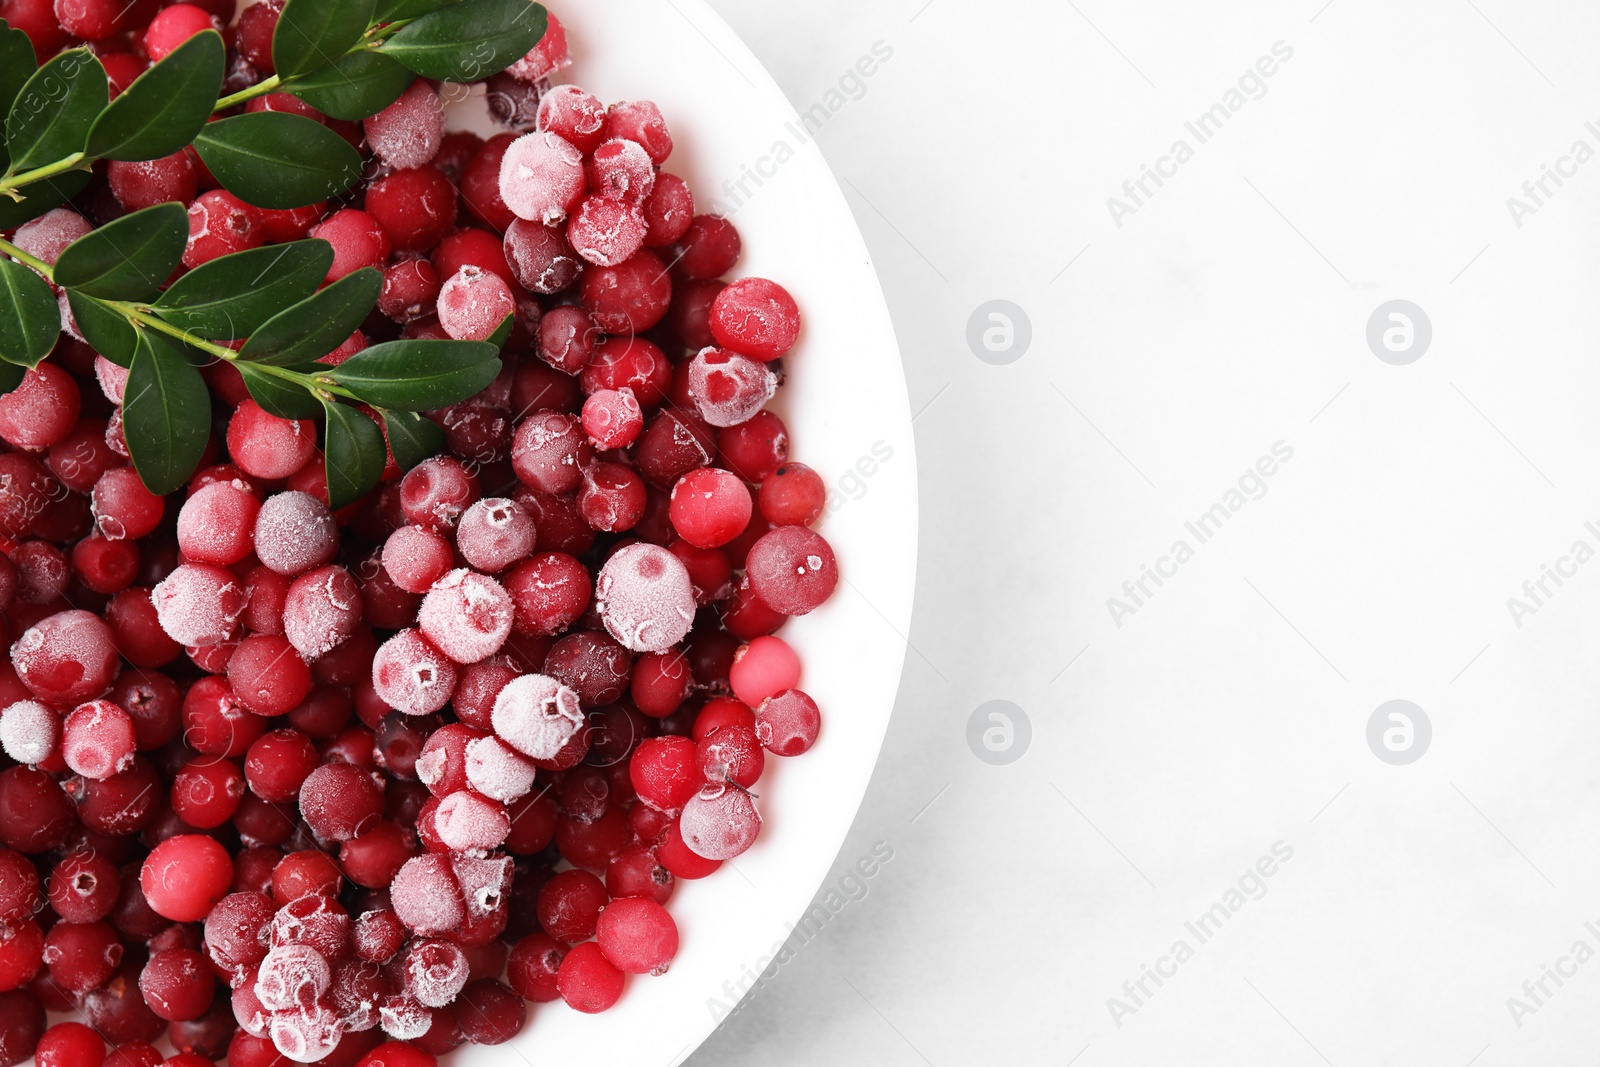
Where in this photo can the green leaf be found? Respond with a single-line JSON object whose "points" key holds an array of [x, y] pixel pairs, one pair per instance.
{"points": [[166, 414], [285, 399], [232, 296], [30, 318], [354, 454], [468, 41], [166, 106], [359, 85], [276, 160], [412, 437], [317, 325], [10, 377], [400, 10], [313, 34], [16, 63], [39, 197], [107, 332], [129, 258], [51, 116], [418, 375]]}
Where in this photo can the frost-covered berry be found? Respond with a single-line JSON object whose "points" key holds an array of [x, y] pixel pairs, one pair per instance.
{"points": [[434, 971], [411, 675], [466, 615], [537, 715], [495, 533], [496, 770], [787, 723], [426, 896], [414, 557], [467, 822], [265, 446], [719, 822], [473, 303], [755, 317], [645, 597], [97, 740], [409, 131], [322, 610], [199, 604], [29, 731], [728, 388], [540, 257], [295, 532], [217, 523], [541, 177], [792, 569], [606, 232]]}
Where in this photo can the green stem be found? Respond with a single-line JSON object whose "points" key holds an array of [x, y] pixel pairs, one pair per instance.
{"points": [[261, 88], [32, 261], [75, 161]]}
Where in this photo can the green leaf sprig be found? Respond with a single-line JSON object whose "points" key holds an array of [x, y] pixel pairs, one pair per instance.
{"points": [[349, 59]]}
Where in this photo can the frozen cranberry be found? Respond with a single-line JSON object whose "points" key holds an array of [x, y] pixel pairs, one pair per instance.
{"points": [[533, 965], [287, 224], [175, 25], [792, 569], [479, 182], [25, 492], [574, 114], [265, 446], [569, 904], [606, 232], [587, 980], [199, 604], [436, 491], [216, 722], [495, 533], [66, 1044], [710, 507], [490, 1013], [80, 956], [322, 609], [295, 532], [125, 803], [632, 363], [546, 57], [22, 951], [709, 248], [268, 675], [630, 297], [373, 859], [40, 411], [719, 822], [410, 288], [728, 388], [756, 318], [472, 304], [433, 971], [591, 663], [123, 507], [409, 131], [637, 935], [548, 592], [30, 733], [541, 177], [645, 598], [414, 207], [257, 24], [426, 895], [220, 224], [68, 657], [206, 793], [104, 566], [340, 802], [664, 772], [612, 498], [414, 557], [184, 876], [668, 211], [377, 935], [660, 682], [540, 257], [755, 448], [472, 247], [730, 754], [549, 450], [612, 417], [97, 740], [177, 984], [43, 573], [412, 675], [537, 716], [672, 444], [396, 1054], [358, 241]]}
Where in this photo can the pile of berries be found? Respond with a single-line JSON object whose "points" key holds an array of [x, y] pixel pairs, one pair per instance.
{"points": [[284, 783]]}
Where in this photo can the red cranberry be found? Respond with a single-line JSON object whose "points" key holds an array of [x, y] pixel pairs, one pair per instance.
{"points": [[414, 207], [587, 981]]}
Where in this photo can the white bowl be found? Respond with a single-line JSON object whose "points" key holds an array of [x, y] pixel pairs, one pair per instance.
{"points": [[845, 404], [844, 397]]}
